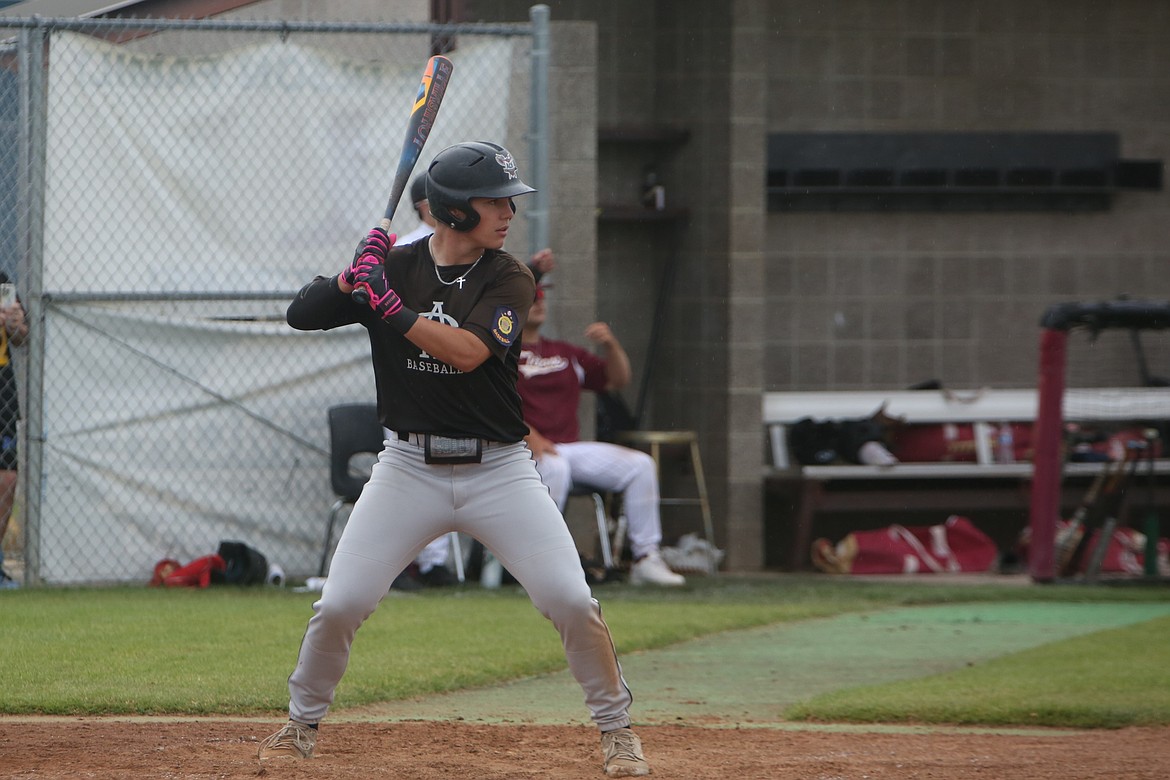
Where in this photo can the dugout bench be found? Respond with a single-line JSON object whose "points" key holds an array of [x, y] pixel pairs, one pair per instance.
{"points": [[804, 502]]}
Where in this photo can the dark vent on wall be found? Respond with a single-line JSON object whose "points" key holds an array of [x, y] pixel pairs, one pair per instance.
{"points": [[951, 171]]}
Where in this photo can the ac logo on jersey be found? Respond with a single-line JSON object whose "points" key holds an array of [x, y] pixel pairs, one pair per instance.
{"points": [[436, 314], [504, 330]]}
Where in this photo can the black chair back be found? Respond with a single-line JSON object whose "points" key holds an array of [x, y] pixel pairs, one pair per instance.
{"points": [[613, 416], [354, 429]]}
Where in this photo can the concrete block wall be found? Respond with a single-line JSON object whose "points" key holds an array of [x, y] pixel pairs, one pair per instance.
{"points": [[862, 301], [769, 300]]}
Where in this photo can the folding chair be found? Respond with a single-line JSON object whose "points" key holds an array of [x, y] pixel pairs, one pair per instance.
{"points": [[354, 429], [605, 527]]}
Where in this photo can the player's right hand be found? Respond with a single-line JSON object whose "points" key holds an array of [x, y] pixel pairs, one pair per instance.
{"points": [[359, 266]]}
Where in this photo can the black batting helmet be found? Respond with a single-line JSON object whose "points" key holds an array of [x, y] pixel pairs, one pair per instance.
{"points": [[476, 169], [418, 189]]}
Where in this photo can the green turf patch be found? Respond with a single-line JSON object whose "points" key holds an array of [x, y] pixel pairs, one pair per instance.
{"points": [[1112, 678]]}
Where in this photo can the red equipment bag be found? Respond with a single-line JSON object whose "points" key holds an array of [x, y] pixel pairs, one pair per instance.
{"points": [[953, 546], [196, 574]]}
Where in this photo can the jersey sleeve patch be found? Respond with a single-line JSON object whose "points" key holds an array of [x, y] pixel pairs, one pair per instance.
{"points": [[504, 329]]}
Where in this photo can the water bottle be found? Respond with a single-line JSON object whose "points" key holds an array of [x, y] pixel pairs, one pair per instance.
{"points": [[492, 572], [1005, 449]]}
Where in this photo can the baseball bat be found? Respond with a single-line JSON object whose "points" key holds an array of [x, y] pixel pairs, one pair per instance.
{"points": [[1108, 501], [435, 78], [1070, 538], [1105, 535]]}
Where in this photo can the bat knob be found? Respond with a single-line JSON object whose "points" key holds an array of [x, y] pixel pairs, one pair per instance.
{"points": [[359, 297]]}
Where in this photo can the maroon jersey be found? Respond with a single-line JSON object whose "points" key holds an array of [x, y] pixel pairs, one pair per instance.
{"points": [[552, 374]]}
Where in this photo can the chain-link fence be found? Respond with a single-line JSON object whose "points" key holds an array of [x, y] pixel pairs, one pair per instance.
{"points": [[168, 186]]}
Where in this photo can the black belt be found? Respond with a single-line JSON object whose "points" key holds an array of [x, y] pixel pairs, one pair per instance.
{"points": [[446, 450]]}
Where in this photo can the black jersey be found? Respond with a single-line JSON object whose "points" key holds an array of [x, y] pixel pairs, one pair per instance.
{"points": [[416, 392]]}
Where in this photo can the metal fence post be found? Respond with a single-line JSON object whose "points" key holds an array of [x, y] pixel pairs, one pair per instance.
{"points": [[31, 200], [538, 215]]}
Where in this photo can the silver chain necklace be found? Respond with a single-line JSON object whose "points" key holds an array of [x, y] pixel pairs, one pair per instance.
{"points": [[461, 278]]}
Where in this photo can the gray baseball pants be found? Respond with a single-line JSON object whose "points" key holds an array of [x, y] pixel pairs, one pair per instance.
{"points": [[502, 503]]}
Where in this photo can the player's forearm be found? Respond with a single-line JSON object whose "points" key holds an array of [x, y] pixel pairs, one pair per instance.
{"points": [[456, 347], [320, 305]]}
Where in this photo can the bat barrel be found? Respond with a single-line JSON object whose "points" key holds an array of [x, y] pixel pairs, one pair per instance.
{"points": [[422, 117]]}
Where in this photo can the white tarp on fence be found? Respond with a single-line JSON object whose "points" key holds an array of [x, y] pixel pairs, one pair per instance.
{"points": [[171, 426], [186, 192], [192, 451]]}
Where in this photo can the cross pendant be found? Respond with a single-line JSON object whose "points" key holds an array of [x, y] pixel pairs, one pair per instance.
{"points": [[460, 281]]}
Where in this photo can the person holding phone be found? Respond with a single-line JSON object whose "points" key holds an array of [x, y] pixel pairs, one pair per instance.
{"points": [[13, 332]]}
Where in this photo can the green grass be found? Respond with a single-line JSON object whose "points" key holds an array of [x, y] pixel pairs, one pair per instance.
{"points": [[228, 651], [1108, 679]]}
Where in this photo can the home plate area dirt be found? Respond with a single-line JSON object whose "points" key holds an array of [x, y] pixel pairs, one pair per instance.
{"points": [[60, 748]]}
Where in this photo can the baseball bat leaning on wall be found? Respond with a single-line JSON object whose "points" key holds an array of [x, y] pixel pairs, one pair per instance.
{"points": [[422, 117], [1068, 540], [1134, 454], [1108, 501]]}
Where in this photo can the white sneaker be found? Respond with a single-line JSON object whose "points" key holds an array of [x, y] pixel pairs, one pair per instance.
{"points": [[294, 740], [654, 571], [623, 754]]}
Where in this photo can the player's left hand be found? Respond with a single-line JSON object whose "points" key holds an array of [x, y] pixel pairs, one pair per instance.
{"points": [[382, 298]]}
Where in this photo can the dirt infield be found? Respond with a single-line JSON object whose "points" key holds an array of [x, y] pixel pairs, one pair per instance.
{"points": [[102, 748]]}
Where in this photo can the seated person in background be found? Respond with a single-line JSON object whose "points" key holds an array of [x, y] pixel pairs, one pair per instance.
{"points": [[552, 374], [418, 198]]}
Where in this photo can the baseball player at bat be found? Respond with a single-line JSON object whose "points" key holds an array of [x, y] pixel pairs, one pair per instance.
{"points": [[444, 319], [432, 562]]}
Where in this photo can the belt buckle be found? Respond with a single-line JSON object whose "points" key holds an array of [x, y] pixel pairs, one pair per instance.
{"points": [[447, 450]]}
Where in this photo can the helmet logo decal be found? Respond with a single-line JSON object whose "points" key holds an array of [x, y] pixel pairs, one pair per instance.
{"points": [[508, 164]]}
